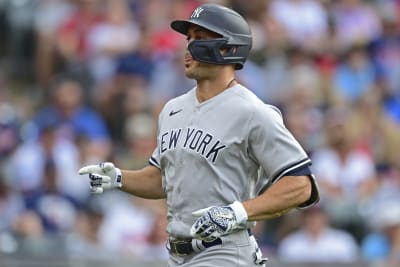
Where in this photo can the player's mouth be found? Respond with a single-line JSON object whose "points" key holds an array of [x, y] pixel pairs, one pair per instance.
{"points": [[188, 60]]}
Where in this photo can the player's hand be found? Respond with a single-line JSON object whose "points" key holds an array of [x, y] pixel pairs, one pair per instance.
{"points": [[214, 222], [102, 176]]}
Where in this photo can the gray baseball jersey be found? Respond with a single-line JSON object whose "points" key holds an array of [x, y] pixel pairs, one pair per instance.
{"points": [[212, 153]]}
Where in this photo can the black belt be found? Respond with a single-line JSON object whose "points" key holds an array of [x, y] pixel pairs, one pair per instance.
{"points": [[182, 247]]}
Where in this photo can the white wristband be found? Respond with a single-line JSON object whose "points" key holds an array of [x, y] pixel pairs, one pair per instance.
{"points": [[240, 212], [118, 177]]}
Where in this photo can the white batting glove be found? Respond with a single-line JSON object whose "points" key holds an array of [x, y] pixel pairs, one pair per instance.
{"points": [[102, 176], [215, 222]]}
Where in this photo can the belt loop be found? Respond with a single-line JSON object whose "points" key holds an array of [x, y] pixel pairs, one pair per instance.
{"points": [[249, 232]]}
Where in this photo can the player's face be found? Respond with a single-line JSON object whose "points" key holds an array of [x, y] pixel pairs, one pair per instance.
{"points": [[193, 68]]}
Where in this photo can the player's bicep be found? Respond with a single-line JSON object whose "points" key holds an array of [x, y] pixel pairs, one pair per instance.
{"points": [[299, 173], [305, 172]]}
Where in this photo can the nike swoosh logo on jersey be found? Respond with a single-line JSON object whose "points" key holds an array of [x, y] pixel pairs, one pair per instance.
{"points": [[172, 113]]}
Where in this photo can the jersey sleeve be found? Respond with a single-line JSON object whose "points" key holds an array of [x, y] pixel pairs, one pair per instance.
{"points": [[277, 151], [273, 146]]}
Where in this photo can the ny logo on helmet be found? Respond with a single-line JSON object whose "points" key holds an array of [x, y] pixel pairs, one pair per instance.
{"points": [[196, 12]]}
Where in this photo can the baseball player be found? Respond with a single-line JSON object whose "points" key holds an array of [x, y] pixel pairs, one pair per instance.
{"points": [[224, 159]]}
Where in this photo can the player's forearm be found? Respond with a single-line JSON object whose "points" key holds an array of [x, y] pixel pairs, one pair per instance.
{"points": [[145, 183], [287, 193]]}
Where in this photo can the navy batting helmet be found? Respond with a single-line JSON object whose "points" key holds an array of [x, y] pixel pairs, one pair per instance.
{"points": [[234, 30]]}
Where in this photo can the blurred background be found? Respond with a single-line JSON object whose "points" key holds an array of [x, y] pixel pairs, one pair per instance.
{"points": [[83, 81]]}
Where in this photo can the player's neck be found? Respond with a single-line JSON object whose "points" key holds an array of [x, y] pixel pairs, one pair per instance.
{"points": [[207, 89]]}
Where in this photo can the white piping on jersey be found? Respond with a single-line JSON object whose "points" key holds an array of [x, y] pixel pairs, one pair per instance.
{"points": [[290, 168], [154, 162]]}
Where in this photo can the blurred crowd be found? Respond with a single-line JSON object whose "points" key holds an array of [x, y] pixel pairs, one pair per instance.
{"points": [[82, 81]]}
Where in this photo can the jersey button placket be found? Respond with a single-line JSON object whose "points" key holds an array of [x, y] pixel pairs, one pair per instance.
{"points": [[196, 111]]}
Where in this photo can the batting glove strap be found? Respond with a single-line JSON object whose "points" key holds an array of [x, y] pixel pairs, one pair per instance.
{"points": [[240, 212], [118, 178]]}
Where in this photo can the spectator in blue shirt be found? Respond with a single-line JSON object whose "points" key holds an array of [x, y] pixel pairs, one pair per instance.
{"points": [[75, 119]]}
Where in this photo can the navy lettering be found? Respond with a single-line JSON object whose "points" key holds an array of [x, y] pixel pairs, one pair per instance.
{"points": [[214, 150], [206, 140], [173, 139], [203, 143], [188, 134], [196, 138], [163, 141]]}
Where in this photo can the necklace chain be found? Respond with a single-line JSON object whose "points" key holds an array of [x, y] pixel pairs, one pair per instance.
{"points": [[229, 84]]}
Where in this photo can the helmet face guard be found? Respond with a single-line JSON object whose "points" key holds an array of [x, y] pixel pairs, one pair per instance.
{"points": [[235, 34], [209, 51]]}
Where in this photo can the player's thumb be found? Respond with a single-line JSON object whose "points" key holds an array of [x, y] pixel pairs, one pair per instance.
{"points": [[200, 212], [88, 169]]}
